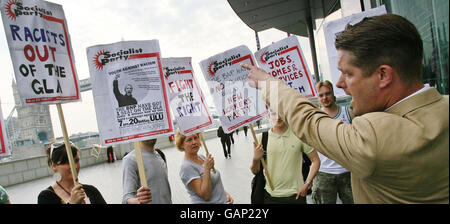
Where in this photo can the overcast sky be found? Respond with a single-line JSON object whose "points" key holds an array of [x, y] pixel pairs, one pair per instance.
{"points": [[184, 28]]}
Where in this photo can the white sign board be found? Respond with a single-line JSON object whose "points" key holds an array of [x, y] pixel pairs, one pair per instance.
{"points": [[41, 51], [186, 98], [285, 60], [4, 147], [129, 91], [236, 102], [334, 27]]}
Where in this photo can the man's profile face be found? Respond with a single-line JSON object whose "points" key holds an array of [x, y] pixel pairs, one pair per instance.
{"points": [[128, 89], [364, 90], [326, 96]]}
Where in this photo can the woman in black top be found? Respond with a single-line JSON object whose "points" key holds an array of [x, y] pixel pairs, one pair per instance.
{"points": [[63, 191]]}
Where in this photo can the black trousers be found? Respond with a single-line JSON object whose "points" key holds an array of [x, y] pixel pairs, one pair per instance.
{"points": [[226, 143], [283, 200], [110, 154]]}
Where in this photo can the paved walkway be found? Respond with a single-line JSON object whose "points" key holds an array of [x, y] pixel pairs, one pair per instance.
{"points": [[107, 177]]}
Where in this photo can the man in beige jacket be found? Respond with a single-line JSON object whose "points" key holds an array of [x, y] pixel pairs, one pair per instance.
{"points": [[398, 147]]}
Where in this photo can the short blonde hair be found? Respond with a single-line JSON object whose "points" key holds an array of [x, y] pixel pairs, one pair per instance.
{"points": [[179, 140], [324, 83], [328, 84]]}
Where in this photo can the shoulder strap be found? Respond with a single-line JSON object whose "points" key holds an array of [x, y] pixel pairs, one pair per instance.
{"points": [[264, 140], [265, 137], [162, 155]]}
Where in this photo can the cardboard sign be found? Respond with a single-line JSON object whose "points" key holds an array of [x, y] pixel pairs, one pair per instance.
{"points": [[41, 51], [4, 147], [285, 60], [236, 102], [186, 98], [129, 91], [334, 27]]}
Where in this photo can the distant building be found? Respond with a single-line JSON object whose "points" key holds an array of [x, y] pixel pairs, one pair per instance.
{"points": [[31, 130]]}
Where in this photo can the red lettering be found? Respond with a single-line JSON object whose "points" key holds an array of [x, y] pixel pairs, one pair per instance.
{"points": [[282, 61], [42, 58], [30, 53], [271, 65], [288, 59], [29, 48]]}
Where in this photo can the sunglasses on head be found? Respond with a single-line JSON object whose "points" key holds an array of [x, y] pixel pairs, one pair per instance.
{"points": [[58, 145]]}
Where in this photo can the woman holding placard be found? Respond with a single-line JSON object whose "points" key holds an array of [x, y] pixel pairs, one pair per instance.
{"points": [[64, 191], [203, 185]]}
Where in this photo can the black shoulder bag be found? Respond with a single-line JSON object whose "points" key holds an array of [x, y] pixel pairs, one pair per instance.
{"points": [[259, 181], [161, 154]]}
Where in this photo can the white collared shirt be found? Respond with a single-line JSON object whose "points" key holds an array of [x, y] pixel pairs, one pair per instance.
{"points": [[426, 87]]}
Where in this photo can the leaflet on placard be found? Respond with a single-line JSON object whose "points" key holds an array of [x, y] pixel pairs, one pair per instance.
{"points": [[41, 52], [186, 98], [4, 147], [129, 89], [285, 60], [237, 103]]}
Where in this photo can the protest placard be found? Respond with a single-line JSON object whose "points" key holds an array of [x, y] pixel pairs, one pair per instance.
{"points": [[41, 51], [236, 102], [129, 89], [42, 57], [186, 98], [284, 60], [4, 147]]}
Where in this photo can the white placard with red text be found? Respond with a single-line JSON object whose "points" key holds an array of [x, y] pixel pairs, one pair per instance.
{"points": [[237, 103], [129, 89], [186, 98], [4, 147], [41, 51], [285, 60]]}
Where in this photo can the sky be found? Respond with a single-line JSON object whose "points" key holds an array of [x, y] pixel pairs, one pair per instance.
{"points": [[184, 28]]}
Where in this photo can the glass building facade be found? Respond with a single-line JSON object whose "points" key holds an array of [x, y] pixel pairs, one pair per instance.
{"points": [[431, 17]]}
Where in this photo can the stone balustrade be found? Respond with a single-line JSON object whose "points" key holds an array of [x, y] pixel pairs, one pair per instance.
{"points": [[24, 170]]}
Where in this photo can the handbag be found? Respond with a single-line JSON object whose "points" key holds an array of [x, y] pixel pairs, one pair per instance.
{"points": [[259, 181]]}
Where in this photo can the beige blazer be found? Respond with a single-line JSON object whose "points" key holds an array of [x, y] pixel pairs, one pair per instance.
{"points": [[398, 156]]}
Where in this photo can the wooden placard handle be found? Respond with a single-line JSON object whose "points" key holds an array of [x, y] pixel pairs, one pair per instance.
{"points": [[206, 148], [262, 159], [140, 163], [67, 143]]}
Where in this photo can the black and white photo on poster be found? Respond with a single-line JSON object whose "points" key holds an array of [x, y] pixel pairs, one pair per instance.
{"points": [[129, 90]]}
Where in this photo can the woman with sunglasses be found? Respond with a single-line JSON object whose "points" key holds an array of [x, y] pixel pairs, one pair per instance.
{"points": [[64, 191]]}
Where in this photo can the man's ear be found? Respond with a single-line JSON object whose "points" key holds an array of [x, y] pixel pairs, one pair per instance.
{"points": [[386, 75]]}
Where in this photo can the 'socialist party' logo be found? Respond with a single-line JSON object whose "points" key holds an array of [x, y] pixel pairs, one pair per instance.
{"points": [[173, 71], [270, 54], [15, 8], [216, 65], [104, 57]]}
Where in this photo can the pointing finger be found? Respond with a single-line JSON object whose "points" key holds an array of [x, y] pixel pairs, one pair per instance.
{"points": [[247, 66]]}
